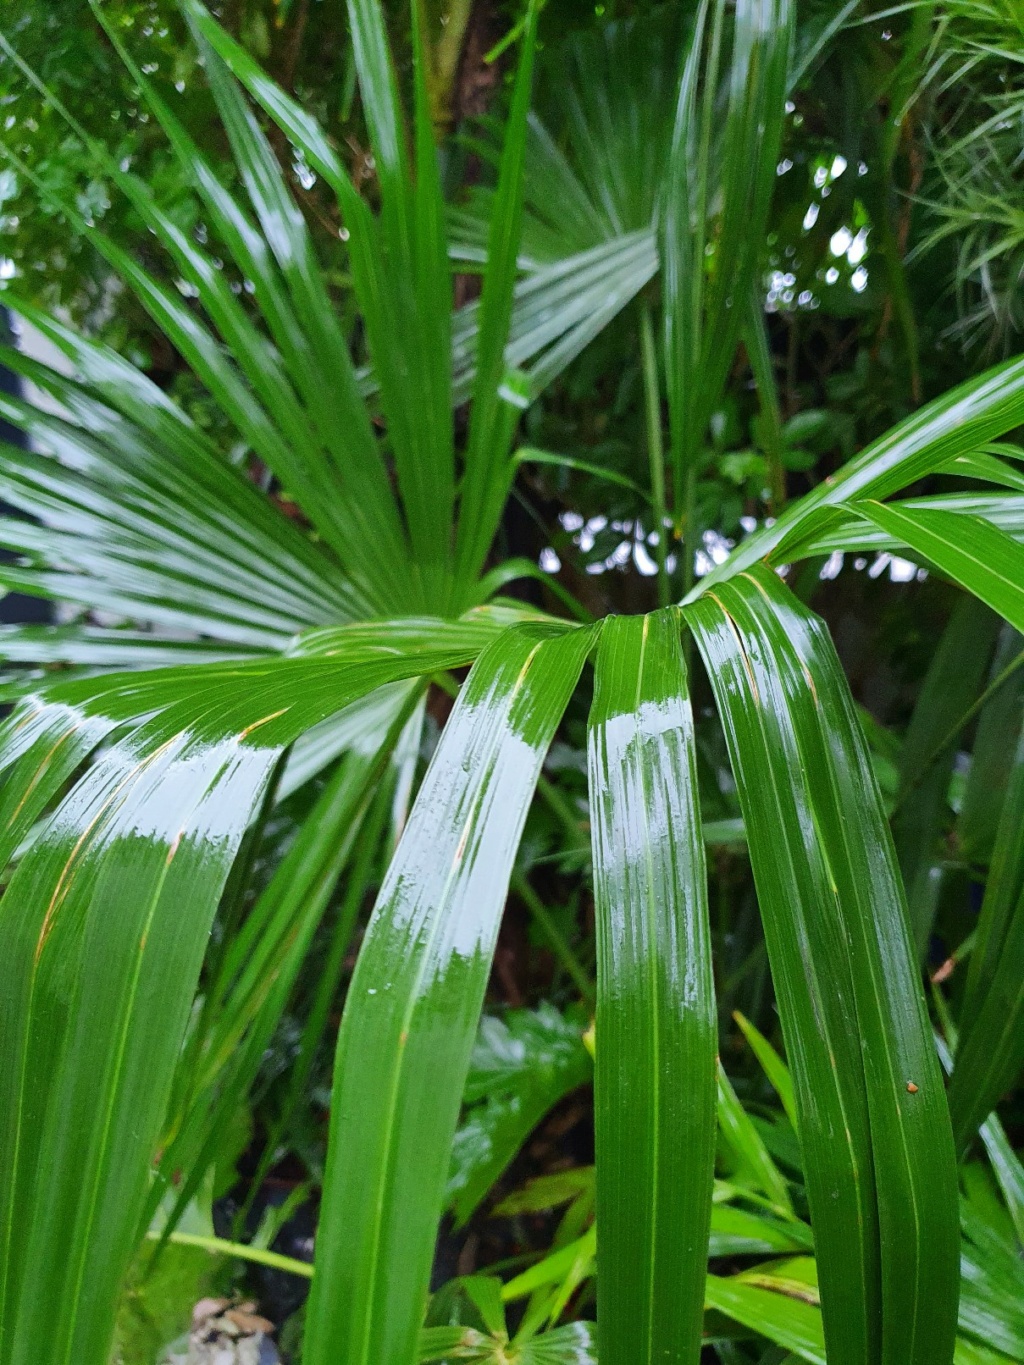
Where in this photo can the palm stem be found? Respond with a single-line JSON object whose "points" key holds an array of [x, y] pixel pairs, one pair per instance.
{"points": [[655, 448], [556, 939]]}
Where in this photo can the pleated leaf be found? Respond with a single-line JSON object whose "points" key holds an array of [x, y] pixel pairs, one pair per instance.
{"points": [[954, 424], [105, 924], [656, 1024], [150, 522], [414, 1002], [874, 1125], [975, 554]]}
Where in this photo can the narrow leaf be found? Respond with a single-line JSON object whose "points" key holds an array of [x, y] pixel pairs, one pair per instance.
{"points": [[492, 419], [874, 1125], [977, 555], [656, 1021], [414, 1001], [955, 423]]}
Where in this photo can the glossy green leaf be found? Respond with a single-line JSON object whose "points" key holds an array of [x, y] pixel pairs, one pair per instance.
{"points": [[780, 1301], [839, 529], [249, 386], [104, 928], [559, 309], [414, 1001], [656, 1021], [791, 1322], [736, 1231], [992, 1293], [554, 1268], [573, 1344], [400, 274], [521, 1066], [454, 1343], [365, 863], [148, 525], [977, 555], [752, 1156], [154, 442], [772, 1065], [1009, 1171], [105, 924], [300, 127], [299, 313], [980, 465], [492, 419], [95, 646], [873, 1120], [955, 423]]}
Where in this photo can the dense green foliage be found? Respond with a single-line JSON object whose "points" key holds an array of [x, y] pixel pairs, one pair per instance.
{"points": [[512, 851]]}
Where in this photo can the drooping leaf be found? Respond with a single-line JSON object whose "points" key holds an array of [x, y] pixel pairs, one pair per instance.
{"points": [[874, 1126], [955, 423], [414, 1001], [105, 923], [656, 1024], [977, 555]]}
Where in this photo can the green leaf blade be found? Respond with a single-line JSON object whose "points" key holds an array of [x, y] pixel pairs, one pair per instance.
{"points": [[954, 424], [656, 1023], [874, 1122], [415, 998], [104, 929], [492, 418], [976, 554]]}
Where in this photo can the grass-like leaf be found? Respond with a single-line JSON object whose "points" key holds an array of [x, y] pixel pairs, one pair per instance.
{"points": [[656, 1024], [874, 1125], [414, 1001]]}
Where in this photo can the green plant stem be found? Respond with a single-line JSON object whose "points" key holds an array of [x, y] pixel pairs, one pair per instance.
{"points": [[950, 736], [759, 354], [561, 809], [555, 937], [443, 56], [655, 449], [217, 1246]]}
